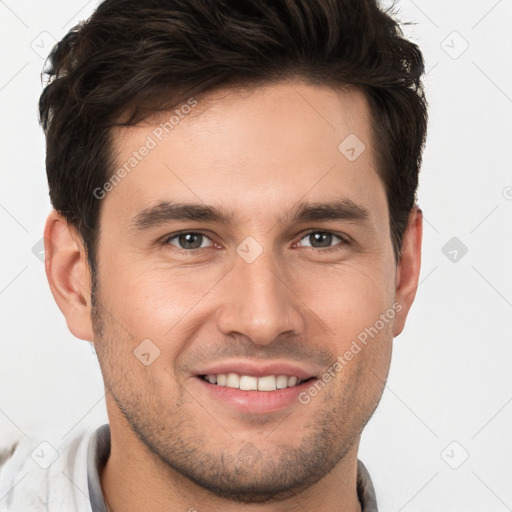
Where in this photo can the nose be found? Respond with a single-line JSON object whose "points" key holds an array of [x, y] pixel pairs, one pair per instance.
{"points": [[259, 301]]}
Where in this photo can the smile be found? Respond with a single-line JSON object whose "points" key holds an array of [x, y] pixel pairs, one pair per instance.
{"points": [[252, 383]]}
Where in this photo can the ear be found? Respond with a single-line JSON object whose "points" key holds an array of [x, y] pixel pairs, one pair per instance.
{"points": [[408, 270], [68, 274]]}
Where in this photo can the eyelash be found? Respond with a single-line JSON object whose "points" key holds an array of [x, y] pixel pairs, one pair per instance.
{"points": [[190, 252]]}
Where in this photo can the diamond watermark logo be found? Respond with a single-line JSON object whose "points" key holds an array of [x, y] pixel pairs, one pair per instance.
{"points": [[454, 249], [248, 455], [146, 352], [249, 249], [43, 43], [454, 45], [454, 455], [352, 147], [44, 455]]}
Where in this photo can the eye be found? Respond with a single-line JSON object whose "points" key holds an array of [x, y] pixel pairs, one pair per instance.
{"points": [[188, 241], [323, 240]]}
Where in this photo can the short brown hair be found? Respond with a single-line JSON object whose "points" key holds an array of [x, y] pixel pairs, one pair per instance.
{"points": [[132, 58]]}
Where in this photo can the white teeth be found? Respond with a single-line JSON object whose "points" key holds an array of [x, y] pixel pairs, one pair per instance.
{"points": [[251, 383], [282, 382], [267, 383], [233, 380], [248, 383]]}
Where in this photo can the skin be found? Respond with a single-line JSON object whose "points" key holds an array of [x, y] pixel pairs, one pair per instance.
{"points": [[254, 152]]}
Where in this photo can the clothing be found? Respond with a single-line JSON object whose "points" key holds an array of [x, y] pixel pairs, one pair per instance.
{"points": [[32, 481]]}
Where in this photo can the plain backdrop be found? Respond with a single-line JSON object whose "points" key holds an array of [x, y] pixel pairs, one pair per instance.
{"points": [[441, 437]]}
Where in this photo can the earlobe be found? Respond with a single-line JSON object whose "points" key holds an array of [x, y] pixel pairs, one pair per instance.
{"points": [[68, 274], [408, 270]]}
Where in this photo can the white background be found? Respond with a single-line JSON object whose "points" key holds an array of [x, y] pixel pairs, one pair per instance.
{"points": [[450, 379]]}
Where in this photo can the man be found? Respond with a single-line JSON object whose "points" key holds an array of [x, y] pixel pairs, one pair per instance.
{"points": [[235, 230]]}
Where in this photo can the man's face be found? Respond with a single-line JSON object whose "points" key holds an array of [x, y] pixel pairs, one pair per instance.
{"points": [[266, 295]]}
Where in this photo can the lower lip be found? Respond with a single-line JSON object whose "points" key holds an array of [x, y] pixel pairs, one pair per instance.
{"points": [[259, 402]]}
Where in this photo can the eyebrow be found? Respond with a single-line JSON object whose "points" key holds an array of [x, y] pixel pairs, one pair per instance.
{"points": [[167, 211]]}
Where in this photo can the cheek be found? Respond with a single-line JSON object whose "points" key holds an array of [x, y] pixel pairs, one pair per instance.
{"points": [[348, 299], [151, 299]]}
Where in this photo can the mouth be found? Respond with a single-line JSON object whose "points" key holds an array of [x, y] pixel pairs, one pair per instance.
{"points": [[254, 387], [265, 383]]}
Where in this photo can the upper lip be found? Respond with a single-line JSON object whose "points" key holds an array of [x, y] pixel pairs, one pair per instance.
{"points": [[257, 369]]}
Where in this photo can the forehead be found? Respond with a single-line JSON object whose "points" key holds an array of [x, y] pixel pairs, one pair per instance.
{"points": [[250, 150]]}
